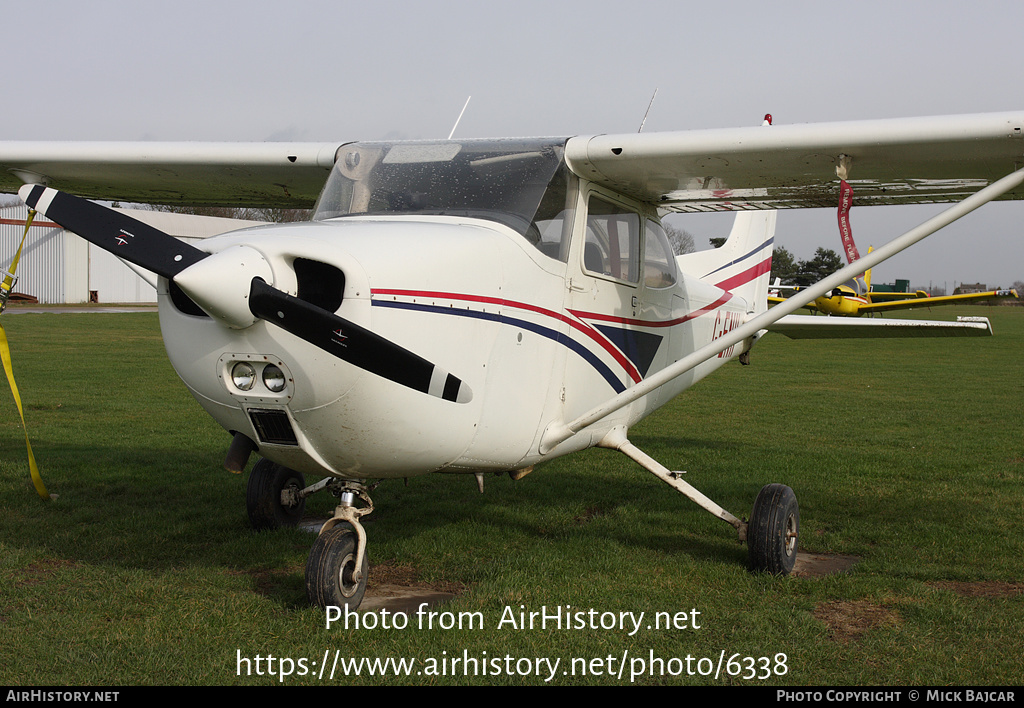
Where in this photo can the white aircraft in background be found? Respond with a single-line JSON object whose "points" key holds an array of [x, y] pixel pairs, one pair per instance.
{"points": [[484, 306]]}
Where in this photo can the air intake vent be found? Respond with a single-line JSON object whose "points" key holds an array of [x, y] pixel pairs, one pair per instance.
{"points": [[319, 284], [273, 427]]}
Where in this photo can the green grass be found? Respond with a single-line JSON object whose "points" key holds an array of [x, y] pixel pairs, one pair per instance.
{"points": [[906, 453]]}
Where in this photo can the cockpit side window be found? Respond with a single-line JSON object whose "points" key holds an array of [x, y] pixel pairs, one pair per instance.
{"points": [[612, 245], [552, 225]]}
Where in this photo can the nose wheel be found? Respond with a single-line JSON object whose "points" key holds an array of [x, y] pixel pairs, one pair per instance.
{"points": [[336, 571], [331, 577], [773, 530]]}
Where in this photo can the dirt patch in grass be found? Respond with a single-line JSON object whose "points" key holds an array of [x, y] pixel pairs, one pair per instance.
{"points": [[270, 582], [397, 588], [819, 565], [980, 588], [389, 578], [392, 574], [589, 513], [391, 586], [848, 620], [40, 571]]}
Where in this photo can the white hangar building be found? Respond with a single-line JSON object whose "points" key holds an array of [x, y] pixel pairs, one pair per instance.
{"points": [[57, 267]]}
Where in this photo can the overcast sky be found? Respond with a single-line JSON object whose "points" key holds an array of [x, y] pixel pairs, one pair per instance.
{"points": [[339, 70]]}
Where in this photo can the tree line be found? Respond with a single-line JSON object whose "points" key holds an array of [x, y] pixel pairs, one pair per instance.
{"points": [[793, 272]]}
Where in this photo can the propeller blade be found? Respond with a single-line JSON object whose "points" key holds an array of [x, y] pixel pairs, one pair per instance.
{"points": [[152, 249], [113, 231], [354, 344]]}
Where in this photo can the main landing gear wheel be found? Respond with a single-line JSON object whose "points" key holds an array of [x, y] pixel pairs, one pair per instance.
{"points": [[773, 530], [263, 496], [331, 567]]}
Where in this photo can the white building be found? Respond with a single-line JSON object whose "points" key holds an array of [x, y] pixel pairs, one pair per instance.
{"points": [[57, 267]]}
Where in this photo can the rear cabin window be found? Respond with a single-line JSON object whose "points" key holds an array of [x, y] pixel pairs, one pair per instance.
{"points": [[659, 258]]}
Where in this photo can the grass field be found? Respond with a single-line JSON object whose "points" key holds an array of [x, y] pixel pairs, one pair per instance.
{"points": [[907, 455]]}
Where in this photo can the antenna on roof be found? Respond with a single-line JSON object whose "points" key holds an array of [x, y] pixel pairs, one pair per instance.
{"points": [[648, 111], [458, 119]]}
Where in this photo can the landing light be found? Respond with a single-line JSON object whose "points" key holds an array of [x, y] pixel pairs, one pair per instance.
{"points": [[273, 378], [243, 375]]}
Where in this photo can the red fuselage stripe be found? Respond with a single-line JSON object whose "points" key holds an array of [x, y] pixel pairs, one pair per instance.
{"points": [[746, 276], [710, 307], [625, 363], [576, 321]]}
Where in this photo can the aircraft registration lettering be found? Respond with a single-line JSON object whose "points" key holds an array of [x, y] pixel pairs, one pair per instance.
{"points": [[726, 322]]}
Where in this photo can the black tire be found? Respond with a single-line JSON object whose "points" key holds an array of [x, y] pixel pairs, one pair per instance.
{"points": [[332, 561], [773, 531], [263, 496]]}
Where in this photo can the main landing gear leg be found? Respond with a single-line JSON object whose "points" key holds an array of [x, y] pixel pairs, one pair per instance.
{"points": [[336, 571], [770, 535]]}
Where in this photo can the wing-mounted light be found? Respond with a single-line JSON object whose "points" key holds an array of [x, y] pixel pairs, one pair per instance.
{"points": [[232, 286]]}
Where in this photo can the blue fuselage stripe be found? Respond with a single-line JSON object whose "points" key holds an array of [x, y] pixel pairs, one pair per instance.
{"points": [[551, 334], [743, 257]]}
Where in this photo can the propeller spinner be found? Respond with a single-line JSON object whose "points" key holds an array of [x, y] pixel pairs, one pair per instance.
{"points": [[232, 286]]}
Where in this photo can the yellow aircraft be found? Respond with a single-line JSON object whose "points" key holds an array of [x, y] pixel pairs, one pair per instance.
{"points": [[857, 298]]}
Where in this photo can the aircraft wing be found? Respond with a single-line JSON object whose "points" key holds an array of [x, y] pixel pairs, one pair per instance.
{"points": [[879, 296], [917, 303], [202, 174], [897, 161], [775, 300], [817, 327]]}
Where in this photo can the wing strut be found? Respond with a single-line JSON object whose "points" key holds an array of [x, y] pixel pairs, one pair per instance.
{"points": [[616, 440], [558, 432]]}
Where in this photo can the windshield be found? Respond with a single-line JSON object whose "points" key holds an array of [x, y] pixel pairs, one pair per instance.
{"points": [[520, 183]]}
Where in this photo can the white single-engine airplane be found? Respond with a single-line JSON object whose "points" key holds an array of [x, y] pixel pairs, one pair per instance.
{"points": [[481, 306]]}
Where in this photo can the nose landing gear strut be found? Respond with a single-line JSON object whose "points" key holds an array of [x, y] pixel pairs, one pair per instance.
{"points": [[336, 571]]}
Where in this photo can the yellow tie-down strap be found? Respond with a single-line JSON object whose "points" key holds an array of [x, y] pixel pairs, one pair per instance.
{"points": [[7, 285], [5, 353]]}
